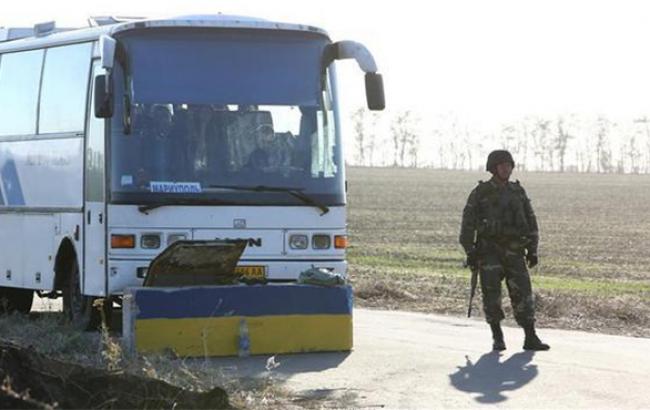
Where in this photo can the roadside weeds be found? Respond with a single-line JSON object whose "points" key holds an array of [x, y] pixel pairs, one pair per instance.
{"points": [[47, 333], [620, 314]]}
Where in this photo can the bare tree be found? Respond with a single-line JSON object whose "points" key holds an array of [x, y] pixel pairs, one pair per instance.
{"points": [[469, 148], [523, 139], [516, 138], [372, 137], [507, 136], [603, 151], [437, 150], [414, 148], [633, 154], [403, 135], [454, 149], [395, 136], [358, 118], [566, 143], [644, 122], [540, 141], [585, 154], [561, 141]]}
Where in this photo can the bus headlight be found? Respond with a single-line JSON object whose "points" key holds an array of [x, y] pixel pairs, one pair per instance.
{"points": [[321, 241], [150, 241], [298, 241], [171, 238]]}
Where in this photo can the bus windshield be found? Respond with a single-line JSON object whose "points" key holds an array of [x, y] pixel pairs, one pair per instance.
{"points": [[224, 109]]}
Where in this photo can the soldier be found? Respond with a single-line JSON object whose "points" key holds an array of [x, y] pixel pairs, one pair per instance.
{"points": [[499, 235]]}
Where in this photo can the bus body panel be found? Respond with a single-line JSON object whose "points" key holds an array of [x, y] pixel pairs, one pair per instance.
{"points": [[267, 228], [12, 251], [41, 203], [290, 217], [31, 241], [42, 174], [38, 235], [94, 224]]}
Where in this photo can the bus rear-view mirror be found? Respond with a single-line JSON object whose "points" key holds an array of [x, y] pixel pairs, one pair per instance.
{"points": [[375, 92], [103, 97], [107, 47]]}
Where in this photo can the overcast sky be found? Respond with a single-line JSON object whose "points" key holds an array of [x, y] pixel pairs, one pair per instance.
{"points": [[482, 59]]}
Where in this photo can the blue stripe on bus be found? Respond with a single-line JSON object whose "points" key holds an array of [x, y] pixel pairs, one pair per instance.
{"points": [[11, 183], [257, 300]]}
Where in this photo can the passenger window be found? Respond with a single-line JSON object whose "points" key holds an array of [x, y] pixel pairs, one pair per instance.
{"points": [[65, 87], [19, 81]]}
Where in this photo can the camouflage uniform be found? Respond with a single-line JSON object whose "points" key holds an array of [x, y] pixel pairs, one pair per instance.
{"points": [[500, 227]]}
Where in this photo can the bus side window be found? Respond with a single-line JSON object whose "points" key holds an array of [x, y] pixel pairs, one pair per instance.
{"points": [[19, 88], [64, 89]]}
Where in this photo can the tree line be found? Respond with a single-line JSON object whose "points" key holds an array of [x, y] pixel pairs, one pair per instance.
{"points": [[562, 143]]}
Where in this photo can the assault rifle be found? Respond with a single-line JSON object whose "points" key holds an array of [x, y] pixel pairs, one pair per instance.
{"points": [[473, 281]]}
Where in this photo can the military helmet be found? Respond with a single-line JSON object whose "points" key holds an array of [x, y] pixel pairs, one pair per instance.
{"points": [[497, 157]]}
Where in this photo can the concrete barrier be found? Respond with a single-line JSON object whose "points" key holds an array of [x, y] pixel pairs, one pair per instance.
{"points": [[206, 321]]}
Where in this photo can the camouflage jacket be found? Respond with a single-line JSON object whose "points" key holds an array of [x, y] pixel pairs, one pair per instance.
{"points": [[501, 215]]}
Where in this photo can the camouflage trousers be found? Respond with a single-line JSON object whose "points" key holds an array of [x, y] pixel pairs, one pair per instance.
{"points": [[511, 266]]}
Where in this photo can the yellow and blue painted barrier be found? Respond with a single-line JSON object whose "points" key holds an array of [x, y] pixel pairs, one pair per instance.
{"points": [[206, 321]]}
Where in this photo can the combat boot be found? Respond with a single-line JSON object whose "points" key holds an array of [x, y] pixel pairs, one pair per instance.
{"points": [[532, 342], [497, 337]]}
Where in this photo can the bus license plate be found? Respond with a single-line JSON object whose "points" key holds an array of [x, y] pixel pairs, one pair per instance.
{"points": [[251, 272]]}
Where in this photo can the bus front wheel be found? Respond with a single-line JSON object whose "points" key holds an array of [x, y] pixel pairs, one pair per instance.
{"points": [[15, 300], [79, 309]]}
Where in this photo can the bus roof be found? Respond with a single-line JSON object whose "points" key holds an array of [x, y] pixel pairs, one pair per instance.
{"points": [[194, 21]]}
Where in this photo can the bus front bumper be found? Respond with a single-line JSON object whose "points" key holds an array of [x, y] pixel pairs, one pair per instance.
{"points": [[123, 273]]}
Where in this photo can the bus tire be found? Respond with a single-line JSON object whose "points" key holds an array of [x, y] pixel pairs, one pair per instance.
{"points": [[79, 309], [15, 300]]}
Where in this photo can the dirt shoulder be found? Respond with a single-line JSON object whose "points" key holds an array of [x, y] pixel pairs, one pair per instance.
{"points": [[32, 380], [623, 314]]}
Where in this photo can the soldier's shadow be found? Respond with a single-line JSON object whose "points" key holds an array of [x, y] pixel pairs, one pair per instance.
{"points": [[489, 377]]}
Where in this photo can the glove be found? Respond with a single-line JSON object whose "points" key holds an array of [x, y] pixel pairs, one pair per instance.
{"points": [[532, 259], [472, 259]]}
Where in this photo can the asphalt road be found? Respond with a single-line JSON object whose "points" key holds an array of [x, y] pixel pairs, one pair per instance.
{"points": [[411, 360]]}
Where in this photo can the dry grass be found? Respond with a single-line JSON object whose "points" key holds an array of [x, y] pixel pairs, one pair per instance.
{"points": [[593, 274], [47, 333]]}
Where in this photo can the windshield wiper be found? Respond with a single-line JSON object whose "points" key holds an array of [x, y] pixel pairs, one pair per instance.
{"points": [[295, 192], [184, 201], [146, 208]]}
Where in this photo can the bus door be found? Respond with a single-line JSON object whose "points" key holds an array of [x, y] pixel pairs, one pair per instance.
{"points": [[94, 271]]}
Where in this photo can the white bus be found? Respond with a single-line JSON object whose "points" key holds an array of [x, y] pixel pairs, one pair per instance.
{"points": [[118, 139]]}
